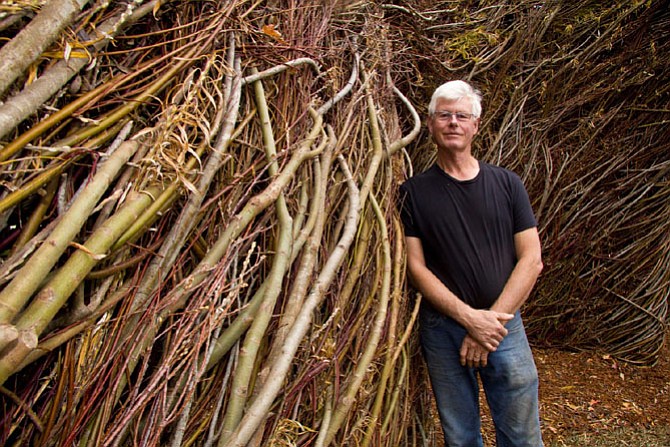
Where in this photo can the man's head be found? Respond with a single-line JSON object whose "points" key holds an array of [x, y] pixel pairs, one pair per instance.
{"points": [[455, 91], [454, 116]]}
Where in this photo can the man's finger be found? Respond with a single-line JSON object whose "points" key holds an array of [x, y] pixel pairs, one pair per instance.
{"points": [[504, 317], [503, 334], [463, 354]]}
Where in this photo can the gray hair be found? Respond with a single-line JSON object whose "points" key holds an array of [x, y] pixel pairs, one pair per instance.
{"points": [[454, 91]]}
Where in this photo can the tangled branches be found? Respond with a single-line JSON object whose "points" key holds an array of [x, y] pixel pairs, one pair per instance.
{"points": [[199, 236]]}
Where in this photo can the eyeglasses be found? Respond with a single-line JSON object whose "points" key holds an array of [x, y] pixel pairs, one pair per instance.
{"points": [[444, 115]]}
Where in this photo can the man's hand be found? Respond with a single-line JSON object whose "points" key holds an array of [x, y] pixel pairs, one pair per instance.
{"points": [[473, 354], [487, 327]]}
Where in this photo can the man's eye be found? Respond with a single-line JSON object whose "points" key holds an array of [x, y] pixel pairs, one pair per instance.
{"points": [[460, 116]]}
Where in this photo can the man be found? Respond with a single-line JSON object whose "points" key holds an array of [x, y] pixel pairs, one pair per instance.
{"points": [[473, 252]]}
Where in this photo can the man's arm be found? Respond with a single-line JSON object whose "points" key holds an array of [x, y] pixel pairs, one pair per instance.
{"points": [[514, 294], [525, 273], [484, 326]]}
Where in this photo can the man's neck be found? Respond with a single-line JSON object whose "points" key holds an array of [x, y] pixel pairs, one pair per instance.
{"points": [[461, 166]]}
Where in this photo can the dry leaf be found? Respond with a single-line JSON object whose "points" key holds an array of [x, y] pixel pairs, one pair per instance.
{"points": [[270, 30], [67, 52]]}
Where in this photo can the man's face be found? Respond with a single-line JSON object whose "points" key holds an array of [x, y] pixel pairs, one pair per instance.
{"points": [[450, 132]]}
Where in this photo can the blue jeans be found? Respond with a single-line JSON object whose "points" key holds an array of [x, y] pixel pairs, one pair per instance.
{"points": [[509, 380]]}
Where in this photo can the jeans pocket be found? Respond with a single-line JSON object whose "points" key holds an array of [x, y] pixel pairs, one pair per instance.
{"points": [[429, 318], [514, 325]]}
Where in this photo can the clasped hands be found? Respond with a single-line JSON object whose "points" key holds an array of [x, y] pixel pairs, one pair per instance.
{"points": [[486, 329]]}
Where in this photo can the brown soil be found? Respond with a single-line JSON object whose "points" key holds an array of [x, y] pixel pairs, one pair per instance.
{"points": [[592, 394]]}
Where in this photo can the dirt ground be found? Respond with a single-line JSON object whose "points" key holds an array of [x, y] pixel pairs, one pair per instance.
{"points": [[587, 396], [589, 399]]}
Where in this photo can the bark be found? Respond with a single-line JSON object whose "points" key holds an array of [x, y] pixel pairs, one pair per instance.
{"points": [[346, 401], [54, 295], [17, 55], [19, 291], [23, 104], [242, 378], [267, 394]]}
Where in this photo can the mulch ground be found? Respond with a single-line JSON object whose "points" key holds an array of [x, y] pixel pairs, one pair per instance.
{"points": [[591, 394]]}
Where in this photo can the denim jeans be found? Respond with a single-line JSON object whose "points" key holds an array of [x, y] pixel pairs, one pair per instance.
{"points": [[509, 380]]}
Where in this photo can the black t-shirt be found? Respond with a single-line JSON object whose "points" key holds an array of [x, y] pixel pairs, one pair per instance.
{"points": [[467, 228]]}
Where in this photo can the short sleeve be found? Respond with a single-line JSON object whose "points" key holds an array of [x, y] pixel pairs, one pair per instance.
{"points": [[524, 218], [407, 211]]}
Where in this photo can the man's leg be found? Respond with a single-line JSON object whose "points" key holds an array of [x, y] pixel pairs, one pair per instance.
{"points": [[455, 387], [511, 385]]}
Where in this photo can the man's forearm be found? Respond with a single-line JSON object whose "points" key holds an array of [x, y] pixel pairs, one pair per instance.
{"points": [[518, 287], [439, 295], [525, 272]]}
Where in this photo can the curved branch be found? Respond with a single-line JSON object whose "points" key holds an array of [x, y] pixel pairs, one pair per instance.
{"points": [[279, 68], [345, 90], [404, 141]]}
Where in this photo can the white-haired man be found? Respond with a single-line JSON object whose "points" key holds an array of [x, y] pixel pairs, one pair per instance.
{"points": [[473, 251]]}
